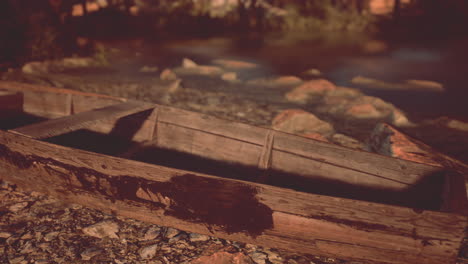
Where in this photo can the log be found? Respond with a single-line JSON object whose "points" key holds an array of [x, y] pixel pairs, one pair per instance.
{"points": [[63, 125], [231, 209]]}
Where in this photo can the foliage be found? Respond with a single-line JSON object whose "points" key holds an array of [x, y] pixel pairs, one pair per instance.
{"points": [[323, 16]]}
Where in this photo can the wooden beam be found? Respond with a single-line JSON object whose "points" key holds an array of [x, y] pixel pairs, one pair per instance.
{"points": [[63, 125], [231, 209]]}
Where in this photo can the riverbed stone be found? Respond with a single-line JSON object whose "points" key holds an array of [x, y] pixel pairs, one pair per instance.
{"points": [[149, 252], [309, 90], [188, 63], [235, 64], [297, 121], [363, 111], [223, 258], [102, 229], [168, 75], [279, 81]]}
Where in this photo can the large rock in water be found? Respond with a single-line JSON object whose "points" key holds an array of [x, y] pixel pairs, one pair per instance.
{"points": [[310, 90], [300, 122]]}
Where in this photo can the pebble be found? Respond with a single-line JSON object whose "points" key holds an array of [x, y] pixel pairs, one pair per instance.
{"points": [[152, 233], [198, 237], [258, 257], [17, 207], [89, 253], [50, 236], [171, 232], [149, 252], [102, 229], [5, 235]]}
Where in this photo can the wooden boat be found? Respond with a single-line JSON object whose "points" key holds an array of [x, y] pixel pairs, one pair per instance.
{"points": [[231, 180]]}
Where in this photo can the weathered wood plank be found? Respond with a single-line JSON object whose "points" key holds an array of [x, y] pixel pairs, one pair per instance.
{"points": [[59, 126], [237, 210]]}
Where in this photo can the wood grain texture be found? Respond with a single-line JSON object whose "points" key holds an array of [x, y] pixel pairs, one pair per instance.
{"points": [[283, 218], [63, 125]]}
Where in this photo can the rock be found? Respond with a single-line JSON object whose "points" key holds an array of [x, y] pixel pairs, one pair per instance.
{"points": [[363, 111], [188, 63], [149, 252], [426, 85], [258, 257], [171, 232], [409, 85], [77, 62], [198, 237], [229, 77], [374, 46], [148, 69], [89, 253], [174, 86], [310, 90], [152, 233], [274, 258], [168, 75], [457, 125], [388, 141], [235, 65], [199, 70], [276, 81], [45, 67], [18, 260], [102, 229], [313, 72], [51, 236], [35, 67], [300, 122], [223, 258], [15, 208], [398, 118], [347, 141], [5, 235]]}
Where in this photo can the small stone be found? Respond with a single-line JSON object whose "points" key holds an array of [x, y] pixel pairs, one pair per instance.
{"points": [[313, 72], [148, 69], [457, 125], [274, 258], [229, 76], [233, 64], [102, 229], [223, 258], [17, 207], [198, 237], [300, 122], [259, 257], [168, 75], [149, 252], [18, 260], [364, 111], [89, 253], [152, 233], [5, 235], [50, 236], [309, 90], [171, 232], [188, 63]]}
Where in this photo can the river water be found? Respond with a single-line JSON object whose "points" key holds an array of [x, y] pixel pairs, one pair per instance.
{"points": [[339, 58]]}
